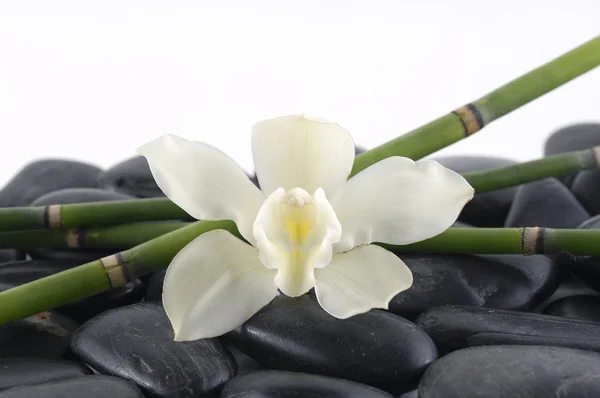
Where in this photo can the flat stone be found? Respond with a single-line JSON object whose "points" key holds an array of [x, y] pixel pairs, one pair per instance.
{"points": [[456, 327], [80, 387], [20, 272], [488, 209], [43, 176], [154, 287], [578, 307], [132, 177], [24, 371], [572, 138], [584, 268], [546, 203], [586, 188], [512, 282], [277, 384], [45, 335], [69, 196], [376, 348], [513, 371], [7, 255], [136, 343]]}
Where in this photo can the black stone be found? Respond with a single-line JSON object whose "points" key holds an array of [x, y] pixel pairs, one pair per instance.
{"points": [[569, 286], [578, 307], [584, 268], [410, 394], [7, 255], [376, 348], [488, 209], [23, 371], [512, 282], [20, 272], [43, 176], [132, 177], [136, 343], [69, 196], [513, 371], [456, 327], [45, 335], [79, 387], [545, 203], [572, 138], [154, 286], [277, 384], [586, 188]]}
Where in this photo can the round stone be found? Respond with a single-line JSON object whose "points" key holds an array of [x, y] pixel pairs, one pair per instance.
{"points": [[578, 307], [132, 177], [79, 387], [16, 372]]}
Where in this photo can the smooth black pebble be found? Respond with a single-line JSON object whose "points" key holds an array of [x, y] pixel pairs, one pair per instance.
{"points": [[376, 348], [578, 307], [45, 335], [572, 138], [513, 371], [7, 255], [24, 371], [546, 203], [69, 196], [456, 327], [80, 387], [20, 272], [512, 282], [488, 209], [132, 177], [136, 343], [154, 287], [43, 176], [277, 384]]}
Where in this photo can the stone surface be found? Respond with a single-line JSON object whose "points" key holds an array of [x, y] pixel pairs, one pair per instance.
{"points": [[545, 203], [45, 335], [277, 384], [488, 209], [7, 255], [68, 196], [154, 287], [578, 307], [569, 286], [572, 138], [132, 177], [586, 188], [456, 327], [136, 343], [19, 272], [376, 348], [43, 176], [584, 268], [497, 281], [410, 394], [24, 371], [515, 372], [80, 387]]}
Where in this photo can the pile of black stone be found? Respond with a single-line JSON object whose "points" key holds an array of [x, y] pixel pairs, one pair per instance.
{"points": [[470, 326]]}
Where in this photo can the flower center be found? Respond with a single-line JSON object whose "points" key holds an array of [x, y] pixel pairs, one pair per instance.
{"points": [[298, 216]]}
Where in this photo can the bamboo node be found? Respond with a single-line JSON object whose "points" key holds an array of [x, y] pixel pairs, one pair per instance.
{"points": [[596, 155], [471, 118], [73, 239], [532, 240], [116, 270], [53, 216]]}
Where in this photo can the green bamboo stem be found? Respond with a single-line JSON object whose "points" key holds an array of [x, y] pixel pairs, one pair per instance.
{"points": [[120, 268], [552, 166], [472, 117]]}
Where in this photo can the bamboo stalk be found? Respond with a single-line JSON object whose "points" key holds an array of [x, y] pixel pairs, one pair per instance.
{"points": [[472, 117], [118, 269]]}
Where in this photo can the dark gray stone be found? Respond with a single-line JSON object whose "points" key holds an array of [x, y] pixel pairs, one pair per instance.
{"points": [[276, 384], [572, 138], [456, 327], [376, 348], [488, 209], [80, 387], [69, 196], [20, 272], [7, 255], [154, 287], [586, 188], [43, 176], [513, 371], [545, 203], [24, 371], [136, 343], [132, 177], [578, 307], [45, 335], [512, 282], [410, 394]]}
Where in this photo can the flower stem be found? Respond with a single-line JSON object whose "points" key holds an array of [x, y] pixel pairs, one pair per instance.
{"points": [[120, 268], [472, 117]]}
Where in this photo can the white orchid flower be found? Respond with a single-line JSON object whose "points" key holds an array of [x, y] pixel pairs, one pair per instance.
{"points": [[308, 226]]}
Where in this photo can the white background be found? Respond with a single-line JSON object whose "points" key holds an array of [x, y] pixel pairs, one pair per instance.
{"points": [[92, 80]]}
